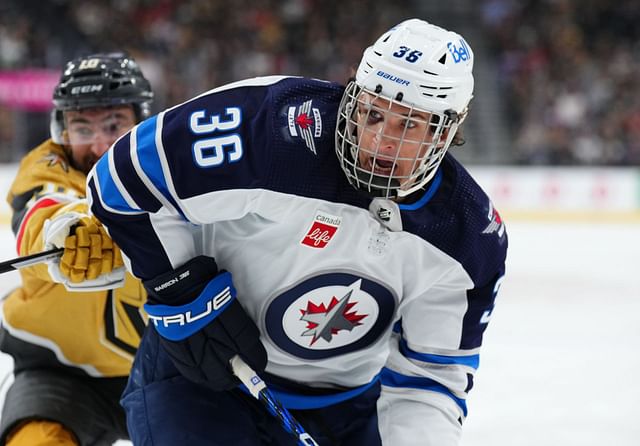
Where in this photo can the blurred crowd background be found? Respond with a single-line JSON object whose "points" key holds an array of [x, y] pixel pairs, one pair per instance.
{"points": [[557, 81]]}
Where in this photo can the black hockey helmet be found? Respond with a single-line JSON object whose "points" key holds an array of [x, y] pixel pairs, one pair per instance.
{"points": [[100, 80]]}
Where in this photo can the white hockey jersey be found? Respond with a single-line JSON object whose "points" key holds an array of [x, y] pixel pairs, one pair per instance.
{"points": [[345, 289]]}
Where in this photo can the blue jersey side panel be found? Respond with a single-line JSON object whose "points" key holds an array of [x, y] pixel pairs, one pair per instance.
{"points": [[471, 232], [458, 230]]}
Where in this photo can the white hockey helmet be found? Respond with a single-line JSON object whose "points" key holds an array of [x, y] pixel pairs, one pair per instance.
{"points": [[428, 71]]}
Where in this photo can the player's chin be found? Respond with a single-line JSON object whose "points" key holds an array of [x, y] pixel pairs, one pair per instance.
{"points": [[87, 165]]}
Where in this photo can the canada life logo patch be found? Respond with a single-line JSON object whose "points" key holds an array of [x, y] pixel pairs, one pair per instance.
{"points": [[329, 314], [322, 230]]}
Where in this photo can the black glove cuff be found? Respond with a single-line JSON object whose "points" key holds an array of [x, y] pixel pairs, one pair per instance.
{"points": [[183, 284]]}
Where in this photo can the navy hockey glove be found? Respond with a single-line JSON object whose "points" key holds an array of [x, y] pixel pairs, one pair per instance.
{"points": [[201, 323]]}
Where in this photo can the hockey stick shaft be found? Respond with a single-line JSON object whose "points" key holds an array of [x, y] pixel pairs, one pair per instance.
{"points": [[24, 261], [259, 390]]}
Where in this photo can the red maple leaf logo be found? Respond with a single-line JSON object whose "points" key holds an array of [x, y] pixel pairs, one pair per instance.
{"points": [[303, 120]]}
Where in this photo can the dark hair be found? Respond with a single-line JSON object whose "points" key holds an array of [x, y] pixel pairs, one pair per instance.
{"points": [[458, 138]]}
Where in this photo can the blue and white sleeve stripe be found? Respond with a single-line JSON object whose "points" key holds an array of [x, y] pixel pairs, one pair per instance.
{"points": [[112, 194], [447, 372], [147, 156], [391, 378], [471, 361]]}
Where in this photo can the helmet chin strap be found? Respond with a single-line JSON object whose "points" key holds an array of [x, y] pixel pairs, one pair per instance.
{"points": [[56, 127]]}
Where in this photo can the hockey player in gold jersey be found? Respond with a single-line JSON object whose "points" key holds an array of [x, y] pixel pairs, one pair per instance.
{"points": [[74, 324]]}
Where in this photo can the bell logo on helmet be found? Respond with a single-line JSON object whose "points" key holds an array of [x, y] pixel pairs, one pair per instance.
{"points": [[460, 53]]}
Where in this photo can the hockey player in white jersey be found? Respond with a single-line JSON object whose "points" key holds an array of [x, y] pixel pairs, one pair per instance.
{"points": [[325, 235]]}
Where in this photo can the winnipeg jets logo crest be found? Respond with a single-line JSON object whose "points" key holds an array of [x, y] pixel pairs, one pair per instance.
{"points": [[329, 314], [325, 321], [305, 121], [495, 222]]}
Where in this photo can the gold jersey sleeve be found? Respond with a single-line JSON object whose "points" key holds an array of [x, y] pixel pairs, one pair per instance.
{"points": [[97, 332]]}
